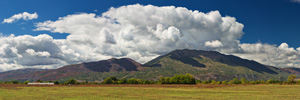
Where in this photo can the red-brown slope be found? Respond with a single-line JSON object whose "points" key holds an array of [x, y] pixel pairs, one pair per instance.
{"points": [[111, 65]]}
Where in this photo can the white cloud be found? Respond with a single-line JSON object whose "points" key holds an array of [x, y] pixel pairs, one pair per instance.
{"points": [[281, 56], [138, 32], [214, 44], [144, 32], [24, 16], [31, 52], [297, 1]]}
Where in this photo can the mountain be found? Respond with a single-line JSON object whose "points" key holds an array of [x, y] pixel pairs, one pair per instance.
{"points": [[85, 71], [10, 75], [204, 65]]}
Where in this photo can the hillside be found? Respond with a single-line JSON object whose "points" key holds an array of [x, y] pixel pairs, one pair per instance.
{"points": [[10, 75], [85, 71], [204, 65]]}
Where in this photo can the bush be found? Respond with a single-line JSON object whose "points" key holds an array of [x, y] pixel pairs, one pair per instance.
{"points": [[244, 81], [225, 82], [214, 82], [26, 82], [132, 81], [15, 82], [108, 80], [291, 79], [235, 81], [71, 81], [56, 82], [183, 79], [206, 82]]}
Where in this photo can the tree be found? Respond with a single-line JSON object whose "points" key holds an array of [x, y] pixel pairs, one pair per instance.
{"points": [[183, 79], [122, 81], [56, 82], [108, 80], [26, 82], [214, 82], [291, 78], [235, 81], [71, 81], [132, 81], [40, 81], [15, 82], [224, 82], [164, 80], [244, 81]]}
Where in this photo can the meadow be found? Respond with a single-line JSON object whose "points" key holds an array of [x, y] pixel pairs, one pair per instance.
{"points": [[150, 92]]}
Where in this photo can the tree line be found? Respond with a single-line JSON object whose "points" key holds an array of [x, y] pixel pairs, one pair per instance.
{"points": [[177, 79]]}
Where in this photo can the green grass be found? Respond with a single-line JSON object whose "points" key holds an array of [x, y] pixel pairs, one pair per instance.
{"points": [[239, 92]]}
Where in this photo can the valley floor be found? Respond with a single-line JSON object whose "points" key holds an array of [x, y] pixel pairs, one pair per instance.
{"points": [[168, 92]]}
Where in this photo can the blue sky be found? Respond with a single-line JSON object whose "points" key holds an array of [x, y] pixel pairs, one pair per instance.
{"points": [[53, 33], [267, 21]]}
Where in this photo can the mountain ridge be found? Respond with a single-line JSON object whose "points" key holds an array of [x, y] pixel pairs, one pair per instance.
{"points": [[204, 65]]}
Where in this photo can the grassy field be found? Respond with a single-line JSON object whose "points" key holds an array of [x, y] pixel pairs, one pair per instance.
{"points": [[168, 92]]}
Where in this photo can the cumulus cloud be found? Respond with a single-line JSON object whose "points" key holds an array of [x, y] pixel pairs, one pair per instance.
{"points": [[24, 16], [297, 1], [214, 44], [144, 32], [138, 32], [279, 56]]}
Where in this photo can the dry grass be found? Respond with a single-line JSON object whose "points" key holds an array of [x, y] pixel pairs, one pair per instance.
{"points": [[169, 92]]}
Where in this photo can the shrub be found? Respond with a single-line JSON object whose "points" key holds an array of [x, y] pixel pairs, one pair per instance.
{"points": [[132, 81], [108, 80], [235, 81], [291, 79], [15, 82], [56, 82], [26, 82], [244, 81], [71, 81], [183, 79], [214, 82], [225, 82]]}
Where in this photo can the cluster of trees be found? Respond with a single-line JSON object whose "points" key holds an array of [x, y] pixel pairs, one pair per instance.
{"points": [[291, 80], [114, 80], [177, 79]]}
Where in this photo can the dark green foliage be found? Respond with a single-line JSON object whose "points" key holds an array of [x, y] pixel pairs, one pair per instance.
{"points": [[183, 79], [71, 81], [272, 81], [178, 79], [132, 81], [146, 82], [15, 82], [111, 80], [56, 82], [122, 81], [108, 80], [40, 81]]}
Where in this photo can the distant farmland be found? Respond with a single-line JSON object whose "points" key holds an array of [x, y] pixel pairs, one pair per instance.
{"points": [[169, 92]]}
